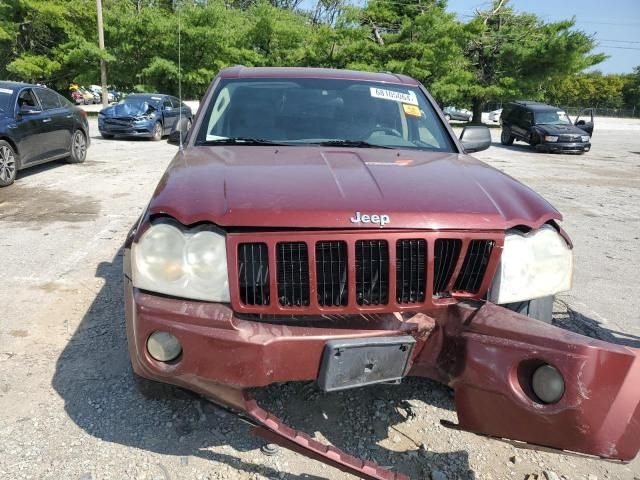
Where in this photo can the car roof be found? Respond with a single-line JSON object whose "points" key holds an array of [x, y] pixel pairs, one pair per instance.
{"points": [[326, 73], [535, 106], [15, 85]]}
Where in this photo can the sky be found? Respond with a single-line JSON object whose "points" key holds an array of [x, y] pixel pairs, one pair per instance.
{"points": [[614, 23]]}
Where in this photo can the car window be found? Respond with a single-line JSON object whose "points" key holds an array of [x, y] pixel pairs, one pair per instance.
{"points": [[64, 102], [26, 98], [5, 99], [166, 103], [311, 111], [552, 117], [175, 102], [48, 99]]}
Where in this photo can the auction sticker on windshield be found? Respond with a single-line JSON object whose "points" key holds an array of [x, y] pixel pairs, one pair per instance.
{"points": [[6, 90], [411, 110], [395, 96]]}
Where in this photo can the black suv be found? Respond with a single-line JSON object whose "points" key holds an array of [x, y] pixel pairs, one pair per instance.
{"points": [[545, 127]]}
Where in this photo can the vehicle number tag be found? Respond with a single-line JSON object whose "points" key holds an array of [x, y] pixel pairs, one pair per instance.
{"points": [[394, 96]]}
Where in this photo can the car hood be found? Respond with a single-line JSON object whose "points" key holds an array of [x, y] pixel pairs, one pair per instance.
{"points": [[561, 130], [122, 111], [315, 187]]}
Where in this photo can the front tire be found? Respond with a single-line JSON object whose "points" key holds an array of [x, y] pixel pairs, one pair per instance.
{"points": [[8, 164], [505, 137], [78, 147], [156, 133], [539, 308]]}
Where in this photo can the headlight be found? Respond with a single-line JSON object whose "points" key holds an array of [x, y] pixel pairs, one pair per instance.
{"points": [[189, 264], [533, 265], [550, 138], [585, 138]]}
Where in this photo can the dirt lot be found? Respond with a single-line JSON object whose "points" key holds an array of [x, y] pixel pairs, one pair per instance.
{"points": [[68, 405]]}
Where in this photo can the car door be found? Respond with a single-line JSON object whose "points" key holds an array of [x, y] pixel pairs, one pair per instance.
{"points": [[585, 123], [30, 128], [59, 122], [517, 122], [169, 115]]}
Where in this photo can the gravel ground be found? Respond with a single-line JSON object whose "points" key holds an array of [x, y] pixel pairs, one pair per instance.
{"points": [[68, 405]]}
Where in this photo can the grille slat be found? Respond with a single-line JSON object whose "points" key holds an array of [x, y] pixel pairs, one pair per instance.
{"points": [[372, 272], [331, 273], [253, 273], [410, 270], [474, 266], [447, 251], [292, 274]]}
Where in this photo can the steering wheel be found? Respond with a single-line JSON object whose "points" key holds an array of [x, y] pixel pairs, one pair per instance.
{"points": [[390, 131]]}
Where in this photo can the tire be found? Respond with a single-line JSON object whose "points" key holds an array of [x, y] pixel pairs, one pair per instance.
{"points": [[539, 308], [505, 137], [78, 147], [106, 136], [156, 133], [8, 164], [447, 117]]}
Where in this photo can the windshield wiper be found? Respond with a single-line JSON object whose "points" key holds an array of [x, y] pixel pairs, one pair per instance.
{"points": [[351, 143], [240, 141]]}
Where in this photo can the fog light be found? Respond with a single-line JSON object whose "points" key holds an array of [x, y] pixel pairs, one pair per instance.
{"points": [[163, 346], [547, 384]]}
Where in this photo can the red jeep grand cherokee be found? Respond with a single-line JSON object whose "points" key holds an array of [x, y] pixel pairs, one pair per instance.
{"points": [[327, 225]]}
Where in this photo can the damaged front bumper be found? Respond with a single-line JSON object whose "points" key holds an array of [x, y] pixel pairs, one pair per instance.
{"points": [[484, 352]]}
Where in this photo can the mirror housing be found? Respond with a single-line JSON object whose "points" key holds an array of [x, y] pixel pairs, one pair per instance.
{"points": [[581, 122], [174, 137], [27, 110], [475, 138]]}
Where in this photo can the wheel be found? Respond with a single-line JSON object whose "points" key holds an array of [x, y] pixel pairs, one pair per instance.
{"points": [[8, 164], [447, 117], [534, 140], [156, 133], [106, 136], [539, 308], [78, 147], [505, 137]]}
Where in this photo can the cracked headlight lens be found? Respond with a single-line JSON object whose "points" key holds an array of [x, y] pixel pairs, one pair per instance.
{"points": [[532, 265], [189, 264]]}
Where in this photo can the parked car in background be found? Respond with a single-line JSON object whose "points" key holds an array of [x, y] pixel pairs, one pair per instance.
{"points": [[97, 90], [328, 226], [86, 95], [117, 95], [77, 97], [494, 116], [454, 113], [545, 127], [38, 125], [148, 115]]}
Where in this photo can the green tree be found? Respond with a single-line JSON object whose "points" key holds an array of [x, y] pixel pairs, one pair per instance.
{"points": [[631, 90], [516, 54]]}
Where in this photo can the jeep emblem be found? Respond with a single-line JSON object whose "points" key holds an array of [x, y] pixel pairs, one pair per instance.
{"points": [[379, 219]]}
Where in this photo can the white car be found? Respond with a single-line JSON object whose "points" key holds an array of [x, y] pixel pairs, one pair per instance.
{"points": [[495, 115]]}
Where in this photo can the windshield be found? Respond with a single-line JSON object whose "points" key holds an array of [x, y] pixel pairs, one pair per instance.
{"points": [[552, 117], [133, 107], [323, 111]]}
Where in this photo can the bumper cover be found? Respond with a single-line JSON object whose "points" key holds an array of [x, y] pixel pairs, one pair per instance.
{"points": [[564, 146], [141, 130], [484, 352]]}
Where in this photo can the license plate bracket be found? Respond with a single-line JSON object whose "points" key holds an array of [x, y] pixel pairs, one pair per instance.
{"points": [[350, 363]]}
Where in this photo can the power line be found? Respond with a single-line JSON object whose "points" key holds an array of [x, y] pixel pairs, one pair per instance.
{"points": [[617, 41], [613, 46]]}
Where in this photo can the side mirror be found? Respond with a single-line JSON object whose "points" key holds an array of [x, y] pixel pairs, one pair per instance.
{"points": [[475, 138], [174, 137], [167, 109], [581, 122], [28, 110]]}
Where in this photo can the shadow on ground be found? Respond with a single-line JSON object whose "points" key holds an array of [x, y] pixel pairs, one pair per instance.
{"points": [[94, 378]]}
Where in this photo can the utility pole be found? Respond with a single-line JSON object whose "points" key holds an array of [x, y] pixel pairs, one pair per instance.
{"points": [[103, 65]]}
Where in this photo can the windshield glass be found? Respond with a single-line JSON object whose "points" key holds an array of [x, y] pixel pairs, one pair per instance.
{"points": [[133, 107], [552, 117], [320, 111], [5, 100]]}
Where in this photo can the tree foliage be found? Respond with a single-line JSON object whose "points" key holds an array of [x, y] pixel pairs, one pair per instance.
{"points": [[498, 55]]}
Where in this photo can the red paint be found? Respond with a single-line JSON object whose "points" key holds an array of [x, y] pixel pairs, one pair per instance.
{"points": [[484, 352]]}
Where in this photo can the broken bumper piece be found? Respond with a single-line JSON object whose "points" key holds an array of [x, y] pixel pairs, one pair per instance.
{"points": [[486, 353]]}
